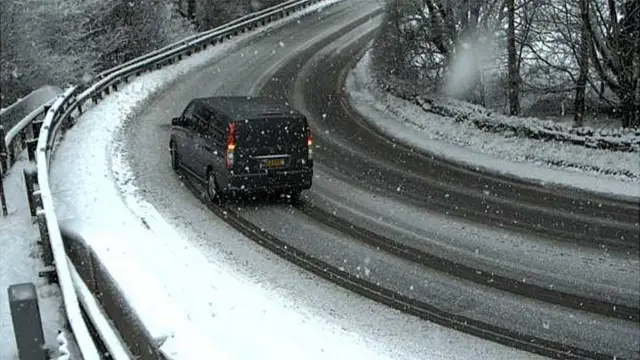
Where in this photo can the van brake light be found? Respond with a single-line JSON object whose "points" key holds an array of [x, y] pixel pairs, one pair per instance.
{"points": [[231, 144], [310, 143]]}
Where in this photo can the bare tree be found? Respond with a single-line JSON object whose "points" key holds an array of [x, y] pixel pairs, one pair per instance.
{"points": [[514, 76], [583, 62], [212, 13], [614, 53], [209, 14], [20, 50], [120, 30], [391, 52], [420, 39]]}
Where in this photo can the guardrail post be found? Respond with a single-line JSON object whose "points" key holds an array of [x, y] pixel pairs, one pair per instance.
{"points": [[3, 200], [23, 142], [23, 139], [11, 158], [30, 179], [68, 123], [32, 145], [27, 324], [3, 152], [47, 253], [35, 127]]}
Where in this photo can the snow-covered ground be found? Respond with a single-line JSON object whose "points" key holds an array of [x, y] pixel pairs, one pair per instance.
{"points": [[239, 315], [547, 162], [243, 316], [20, 261]]}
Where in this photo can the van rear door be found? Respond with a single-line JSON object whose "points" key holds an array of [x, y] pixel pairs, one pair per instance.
{"points": [[272, 144]]}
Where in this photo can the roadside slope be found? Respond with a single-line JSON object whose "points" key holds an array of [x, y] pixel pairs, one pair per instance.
{"points": [[525, 159]]}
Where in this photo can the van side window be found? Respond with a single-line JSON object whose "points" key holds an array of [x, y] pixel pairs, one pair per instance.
{"points": [[217, 130], [188, 116], [202, 121]]}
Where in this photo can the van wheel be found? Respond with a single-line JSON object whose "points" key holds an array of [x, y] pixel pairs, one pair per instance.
{"points": [[213, 192], [294, 196], [175, 160]]}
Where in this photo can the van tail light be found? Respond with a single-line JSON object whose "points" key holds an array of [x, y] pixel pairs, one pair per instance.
{"points": [[310, 144], [231, 144]]}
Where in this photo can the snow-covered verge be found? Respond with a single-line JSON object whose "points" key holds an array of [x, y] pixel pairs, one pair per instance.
{"points": [[622, 139], [454, 130], [20, 263]]}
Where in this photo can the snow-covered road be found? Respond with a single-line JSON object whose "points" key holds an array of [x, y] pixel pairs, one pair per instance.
{"points": [[248, 301]]}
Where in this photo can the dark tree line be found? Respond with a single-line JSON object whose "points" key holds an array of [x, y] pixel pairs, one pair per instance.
{"points": [[207, 14], [58, 42], [584, 52]]}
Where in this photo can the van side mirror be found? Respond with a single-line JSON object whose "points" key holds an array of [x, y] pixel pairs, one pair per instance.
{"points": [[176, 121]]}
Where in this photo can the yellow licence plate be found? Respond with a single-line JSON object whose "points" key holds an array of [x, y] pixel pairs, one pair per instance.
{"points": [[273, 163]]}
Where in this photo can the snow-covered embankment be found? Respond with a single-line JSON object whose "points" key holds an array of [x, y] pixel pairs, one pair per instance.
{"points": [[551, 163]]}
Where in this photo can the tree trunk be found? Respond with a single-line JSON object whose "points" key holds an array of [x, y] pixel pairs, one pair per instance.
{"points": [[630, 107], [191, 9], [583, 62], [633, 11], [514, 88], [626, 104], [628, 45]]}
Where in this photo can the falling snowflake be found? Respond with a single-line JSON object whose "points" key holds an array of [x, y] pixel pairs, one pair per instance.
{"points": [[546, 325]]}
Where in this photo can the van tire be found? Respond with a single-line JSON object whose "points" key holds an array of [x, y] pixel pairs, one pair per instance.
{"points": [[175, 159], [213, 191], [293, 195]]}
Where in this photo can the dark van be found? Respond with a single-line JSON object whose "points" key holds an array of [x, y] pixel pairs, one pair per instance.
{"points": [[238, 144]]}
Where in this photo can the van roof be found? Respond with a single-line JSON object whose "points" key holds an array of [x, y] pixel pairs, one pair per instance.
{"points": [[248, 107]]}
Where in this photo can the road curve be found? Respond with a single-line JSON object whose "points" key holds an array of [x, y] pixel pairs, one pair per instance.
{"points": [[293, 80], [298, 80], [496, 200], [147, 138], [437, 297]]}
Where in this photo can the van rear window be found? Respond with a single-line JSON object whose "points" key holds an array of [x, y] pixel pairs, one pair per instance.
{"points": [[281, 133]]}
